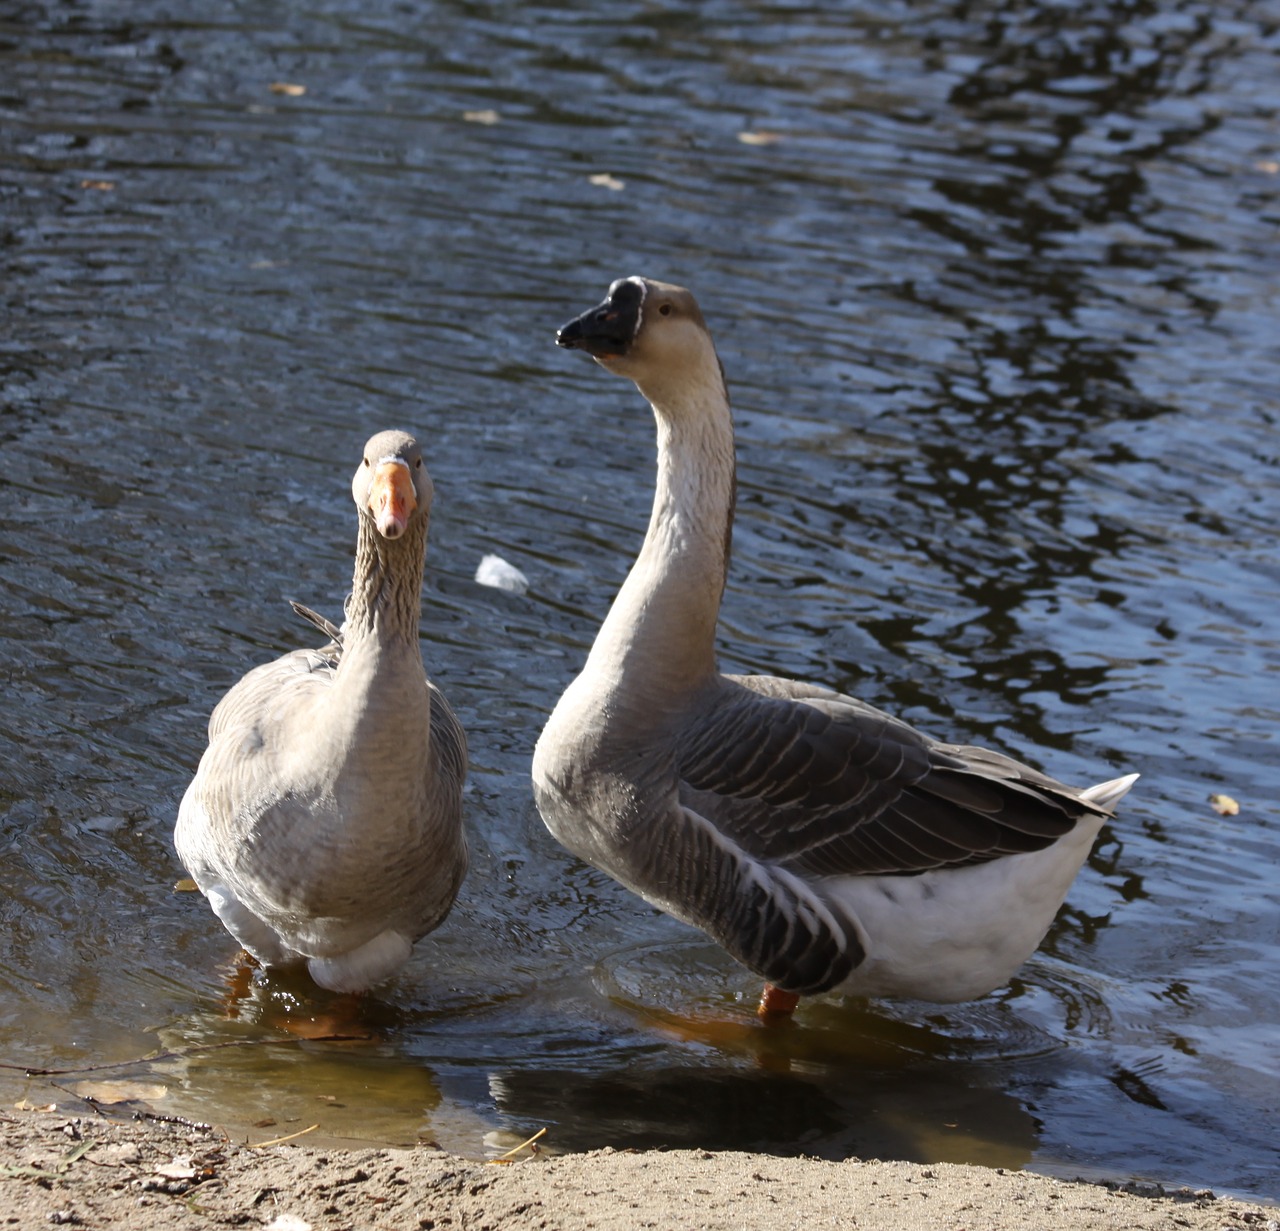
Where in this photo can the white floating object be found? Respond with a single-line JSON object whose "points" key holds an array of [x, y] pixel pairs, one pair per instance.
{"points": [[495, 571]]}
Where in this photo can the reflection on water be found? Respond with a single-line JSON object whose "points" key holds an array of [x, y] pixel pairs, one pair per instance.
{"points": [[995, 289], [914, 1116]]}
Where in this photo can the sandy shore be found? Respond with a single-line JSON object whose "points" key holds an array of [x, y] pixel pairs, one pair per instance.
{"points": [[74, 1170]]}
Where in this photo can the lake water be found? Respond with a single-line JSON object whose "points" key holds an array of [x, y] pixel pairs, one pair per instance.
{"points": [[996, 289]]}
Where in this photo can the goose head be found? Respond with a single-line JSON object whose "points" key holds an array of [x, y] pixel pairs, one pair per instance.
{"points": [[391, 485], [654, 334]]}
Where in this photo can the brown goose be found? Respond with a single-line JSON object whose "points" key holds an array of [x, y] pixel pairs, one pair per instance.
{"points": [[324, 823], [823, 843]]}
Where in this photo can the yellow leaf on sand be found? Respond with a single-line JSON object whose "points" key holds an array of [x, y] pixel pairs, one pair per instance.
{"points": [[1224, 805], [288, 88]]}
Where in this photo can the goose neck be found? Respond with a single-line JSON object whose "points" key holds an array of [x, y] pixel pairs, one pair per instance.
{"points": [[386, 589], [661, 629]]}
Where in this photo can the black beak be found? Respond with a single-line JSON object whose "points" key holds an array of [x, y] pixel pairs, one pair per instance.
{"points": [[606, 331]]}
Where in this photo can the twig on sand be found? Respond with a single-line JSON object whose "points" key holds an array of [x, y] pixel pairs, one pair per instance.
{"points": [[506, 1158], [275, 1141]]}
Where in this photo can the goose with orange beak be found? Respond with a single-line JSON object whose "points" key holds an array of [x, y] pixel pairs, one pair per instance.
{"points": [[391, 495], [324, 823]]}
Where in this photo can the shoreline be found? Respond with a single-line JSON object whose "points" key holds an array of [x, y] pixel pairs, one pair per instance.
{"points": [[148, 1174]]}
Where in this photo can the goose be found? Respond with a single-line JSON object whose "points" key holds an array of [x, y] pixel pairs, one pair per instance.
{"points": [[324, 822], [821, 842]]}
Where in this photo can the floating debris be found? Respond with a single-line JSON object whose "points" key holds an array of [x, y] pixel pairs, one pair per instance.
{"points": [[1224, 805], [759, 138], [496, 572]]}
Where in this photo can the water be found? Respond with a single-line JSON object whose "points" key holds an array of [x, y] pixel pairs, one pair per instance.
{"points": [[995, 288]]}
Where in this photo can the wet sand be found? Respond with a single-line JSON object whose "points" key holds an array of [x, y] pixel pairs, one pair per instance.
{"points": [[100, 1172]]}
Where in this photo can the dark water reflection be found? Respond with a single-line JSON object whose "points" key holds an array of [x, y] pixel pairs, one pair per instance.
{"points": [[995, 287]]}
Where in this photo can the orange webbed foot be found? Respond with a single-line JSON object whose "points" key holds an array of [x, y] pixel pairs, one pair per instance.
{"points": [[775, 1004]]}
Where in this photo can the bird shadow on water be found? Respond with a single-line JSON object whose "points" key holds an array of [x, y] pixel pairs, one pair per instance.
{"points": [[843, 1077], [266, 1053], [662, 1047]]}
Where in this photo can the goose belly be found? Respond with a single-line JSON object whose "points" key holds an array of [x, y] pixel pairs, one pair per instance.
{"points": [[955, 934]]}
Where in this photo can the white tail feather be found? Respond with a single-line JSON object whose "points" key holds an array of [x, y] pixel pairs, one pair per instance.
{"points": [[1108, 794]]}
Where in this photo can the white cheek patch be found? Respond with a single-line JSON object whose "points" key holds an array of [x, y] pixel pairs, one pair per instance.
{"points": [[644, 290]]}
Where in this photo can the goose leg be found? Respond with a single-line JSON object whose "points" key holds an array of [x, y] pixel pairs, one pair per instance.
{"points": [[776, 1004]]}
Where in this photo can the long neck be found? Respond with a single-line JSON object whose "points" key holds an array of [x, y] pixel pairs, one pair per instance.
{"points": [[386, 591], [660, 631]]}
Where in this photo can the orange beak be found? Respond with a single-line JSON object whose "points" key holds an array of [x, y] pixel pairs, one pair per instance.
{"points": [[392, 498]]}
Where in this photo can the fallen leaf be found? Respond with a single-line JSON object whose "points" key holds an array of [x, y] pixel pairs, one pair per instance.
{"points": [[608, 181], [1268, 166], [288, 87], [24, 1105], [32, 1173], [76, 1154], [98, 185], [1224, 805], [485, 116], [759, 138], [179, 1169], [120, 1091]]}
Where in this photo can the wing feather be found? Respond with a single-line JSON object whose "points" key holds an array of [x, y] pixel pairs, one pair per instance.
{"points": [[807, 779]]}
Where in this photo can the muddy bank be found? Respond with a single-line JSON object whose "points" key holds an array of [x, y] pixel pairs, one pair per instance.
{"points": [[73, 1170]]}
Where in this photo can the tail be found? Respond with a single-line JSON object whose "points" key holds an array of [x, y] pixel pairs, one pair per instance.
{"points": [[1107, 794]]}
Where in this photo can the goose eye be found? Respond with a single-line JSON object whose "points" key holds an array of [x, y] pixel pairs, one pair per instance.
{"points": [[366, 463], [417, 463], [665, 310]]}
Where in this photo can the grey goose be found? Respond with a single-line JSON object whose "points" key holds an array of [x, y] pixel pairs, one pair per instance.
{"points": [[823, 843], [324, 823]]}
